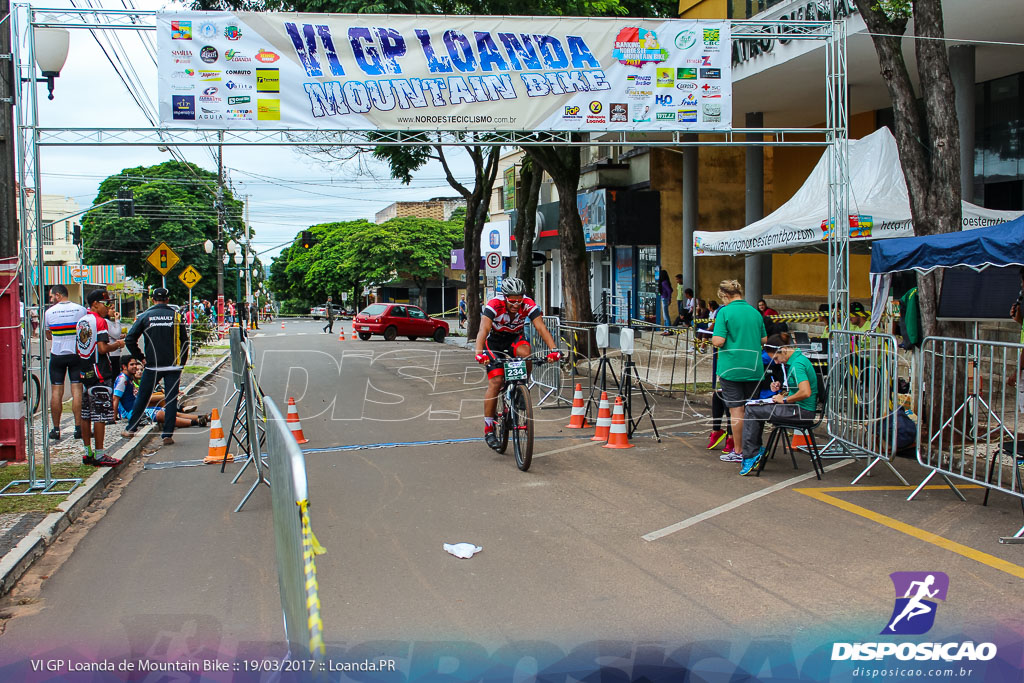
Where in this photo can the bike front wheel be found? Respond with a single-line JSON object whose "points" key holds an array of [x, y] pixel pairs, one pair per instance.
{"points": [[501, 423], [522, 427]]}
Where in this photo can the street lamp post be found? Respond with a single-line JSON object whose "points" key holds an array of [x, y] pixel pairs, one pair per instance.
{"points": [[222, 260]]}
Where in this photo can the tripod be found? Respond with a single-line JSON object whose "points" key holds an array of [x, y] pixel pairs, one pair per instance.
{"points": [[626, 390], [604, 366]]}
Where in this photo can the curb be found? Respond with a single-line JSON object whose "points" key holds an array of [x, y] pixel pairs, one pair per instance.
{"points": [[16, 562]]}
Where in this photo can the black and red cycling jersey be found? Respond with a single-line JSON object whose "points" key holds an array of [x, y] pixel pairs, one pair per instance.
{"points": [[502, 322]]}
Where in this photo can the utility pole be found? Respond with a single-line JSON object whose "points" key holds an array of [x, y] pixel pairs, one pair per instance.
{"points": [[220, 232], [12, 385]]}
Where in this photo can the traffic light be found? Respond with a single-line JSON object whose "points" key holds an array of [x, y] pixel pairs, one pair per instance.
{"points": [[76, 234], [307, 239], [125, 203]]}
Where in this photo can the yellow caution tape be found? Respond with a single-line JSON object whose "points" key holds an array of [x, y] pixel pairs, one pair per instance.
{"points": [[310, 549]]}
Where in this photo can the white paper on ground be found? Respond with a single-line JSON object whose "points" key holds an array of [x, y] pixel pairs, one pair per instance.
{"points": [[462, 550]]}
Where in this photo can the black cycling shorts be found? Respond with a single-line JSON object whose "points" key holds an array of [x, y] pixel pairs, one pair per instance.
{"points": [[505, 343], [65, 364]]}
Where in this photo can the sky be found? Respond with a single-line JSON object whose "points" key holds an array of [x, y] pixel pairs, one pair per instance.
{"points": [[288, 190]]}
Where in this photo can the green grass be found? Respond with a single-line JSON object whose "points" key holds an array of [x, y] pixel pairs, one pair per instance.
{"points": [[194, 369], [39, 503], [699, 388], [223, 346]]}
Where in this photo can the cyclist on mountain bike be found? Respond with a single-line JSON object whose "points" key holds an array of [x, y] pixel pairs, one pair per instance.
{"points": [[501, 329]]}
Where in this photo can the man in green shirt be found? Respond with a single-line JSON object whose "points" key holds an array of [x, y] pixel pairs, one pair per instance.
{"points": [[738, 335], [792, 408]]}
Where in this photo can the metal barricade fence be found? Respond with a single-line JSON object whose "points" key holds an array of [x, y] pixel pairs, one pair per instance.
{"points": [[969, 416], [548, 377], [862, 384], [296, 546]]}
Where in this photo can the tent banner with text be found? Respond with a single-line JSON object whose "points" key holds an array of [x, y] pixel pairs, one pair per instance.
{"points": [[249, 70]]}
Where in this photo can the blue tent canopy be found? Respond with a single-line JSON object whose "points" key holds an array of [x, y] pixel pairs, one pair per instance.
{"points": [[995, 245]]}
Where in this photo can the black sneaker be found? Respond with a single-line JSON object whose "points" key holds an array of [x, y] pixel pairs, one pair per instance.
{"points": [[88, 460], [491, 438], [105, 461], [78, 432], [54, 434]]}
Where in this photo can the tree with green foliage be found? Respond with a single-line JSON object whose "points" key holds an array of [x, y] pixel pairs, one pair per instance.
{"points": [[174, 203]]}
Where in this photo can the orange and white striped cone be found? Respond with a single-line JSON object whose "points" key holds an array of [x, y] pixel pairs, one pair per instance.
{"points": [[282, 325], [293, 422], [604, 419], [341, 335], [355, 336], [218, 444], [578, 416], [618, 437]]}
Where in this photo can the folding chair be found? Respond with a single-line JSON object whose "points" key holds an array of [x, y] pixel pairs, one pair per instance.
{"points": [[781, 431]]}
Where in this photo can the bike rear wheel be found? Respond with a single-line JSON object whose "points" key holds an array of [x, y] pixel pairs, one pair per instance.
{"points": [[34, 393], [522, 428], [501, 423]]}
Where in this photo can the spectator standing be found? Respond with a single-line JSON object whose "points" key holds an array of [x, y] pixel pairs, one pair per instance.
{"points": [[680, 298], [329, 312], [93, 346], [61, 321], [462, 311], [166, 352], [665, 290], [115, 333], [739, 335], [795, 408], [254, 315], [1017, 314]]}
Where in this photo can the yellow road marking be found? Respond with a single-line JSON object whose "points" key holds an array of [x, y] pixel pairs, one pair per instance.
{"points": [[822, 494]]}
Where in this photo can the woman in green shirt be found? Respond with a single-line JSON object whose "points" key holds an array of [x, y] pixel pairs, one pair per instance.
{"points": [[791, 408]]}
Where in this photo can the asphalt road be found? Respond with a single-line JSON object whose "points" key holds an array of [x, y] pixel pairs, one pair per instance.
{"points": [[170, 570]]}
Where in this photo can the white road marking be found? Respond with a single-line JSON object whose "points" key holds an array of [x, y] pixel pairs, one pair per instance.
{"points": [[732, 505]]}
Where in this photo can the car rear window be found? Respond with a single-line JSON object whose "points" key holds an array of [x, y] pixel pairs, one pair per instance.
{"points": [[374, 309]]}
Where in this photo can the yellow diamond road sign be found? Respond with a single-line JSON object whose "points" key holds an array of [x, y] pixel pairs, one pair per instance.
{"points": [[163, 258], [190, 277]]}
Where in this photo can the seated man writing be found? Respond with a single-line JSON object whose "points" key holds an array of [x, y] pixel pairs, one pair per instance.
{"points": [[796, 408]]}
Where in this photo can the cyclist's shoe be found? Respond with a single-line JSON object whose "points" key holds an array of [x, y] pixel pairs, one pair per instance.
{"points": [[105, 461], [54, 434], [491, 437], [730, 457], [87, 459], [716, 439], [729, 446], [78, 432]]}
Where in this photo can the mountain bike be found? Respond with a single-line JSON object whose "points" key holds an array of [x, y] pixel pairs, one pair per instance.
{"points": [[514, 415]]}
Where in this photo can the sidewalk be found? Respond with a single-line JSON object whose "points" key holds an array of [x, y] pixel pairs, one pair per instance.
{"points": [[24, 536]]}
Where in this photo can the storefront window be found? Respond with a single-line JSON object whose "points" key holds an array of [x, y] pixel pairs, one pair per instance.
{"points": [[623, 284], [647, 271]]}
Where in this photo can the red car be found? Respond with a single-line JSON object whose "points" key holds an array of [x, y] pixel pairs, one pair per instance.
{"points": [[392, 320]]}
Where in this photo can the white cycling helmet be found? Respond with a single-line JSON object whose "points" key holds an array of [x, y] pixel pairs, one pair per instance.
{"points": [[513, 286]]}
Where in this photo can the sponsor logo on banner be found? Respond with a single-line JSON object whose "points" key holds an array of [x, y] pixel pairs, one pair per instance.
{"points": [[642, 116], [712, 39], [242, 114], [686, 39], [596, 107], [913, 614], [268, 80], [618, 112], [596, 119], [686, 85], [688, 115], [633, 79], [235, 56], [639, 95], [182, 87], [239, 72], [209, 115], [232, 32], [708, 91], [665, 116], [183, 107], [268, 110], [181, 30], [244, 99], [666, 79], [663, 100], [705, 60], [209, 75], [231, 85], [207, 30], [265, 56], [712, 112], [181, 56], [689, 101], [208, 54], [210, 95], [636, 47], [686, 74], [710, 73], [572, 112], [185, 73]]}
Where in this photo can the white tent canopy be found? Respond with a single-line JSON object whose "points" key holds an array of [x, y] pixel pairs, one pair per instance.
{"points": [[879, 207]]}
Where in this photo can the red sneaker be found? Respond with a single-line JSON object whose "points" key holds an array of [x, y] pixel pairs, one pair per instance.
{"points": [[716, 439], [729, 446], [105, 461]]}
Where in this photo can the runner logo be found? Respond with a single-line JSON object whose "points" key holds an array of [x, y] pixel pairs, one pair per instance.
{"points": [[916, 593]]}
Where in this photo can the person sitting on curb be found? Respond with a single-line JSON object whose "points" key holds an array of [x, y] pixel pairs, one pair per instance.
{"points": [[795, 409], [124, 400]]}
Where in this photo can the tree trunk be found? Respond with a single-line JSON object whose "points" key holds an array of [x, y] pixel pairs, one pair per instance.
{"points": [[563, 165], [526, 221]]}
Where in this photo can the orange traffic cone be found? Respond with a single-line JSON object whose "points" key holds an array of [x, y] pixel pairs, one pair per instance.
{"points": [[341, 335], [604, 419], [218, 444], [799, 440], [354, 335], [282, 325], [578, 416], [293, 422], [618, 437]]}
